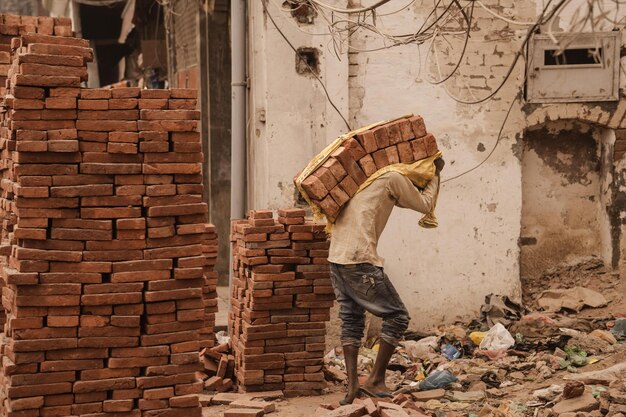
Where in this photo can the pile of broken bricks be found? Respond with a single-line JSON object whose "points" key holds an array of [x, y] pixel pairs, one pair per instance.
{"points": [[219, 368], [333, 184]]}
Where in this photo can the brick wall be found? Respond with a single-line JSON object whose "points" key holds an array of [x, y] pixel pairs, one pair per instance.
{"points": [[108, 285], [281, 297]]}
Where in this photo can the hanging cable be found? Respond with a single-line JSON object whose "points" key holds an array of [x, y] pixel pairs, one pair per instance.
{"points": [[307, 65], [495, 145], [350, 11]]}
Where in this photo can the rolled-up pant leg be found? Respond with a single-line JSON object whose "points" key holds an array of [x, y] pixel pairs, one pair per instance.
{"points": [[366, 287]]}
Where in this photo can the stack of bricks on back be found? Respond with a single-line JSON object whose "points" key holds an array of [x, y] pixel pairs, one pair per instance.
{"points": [[108, 251], [12, 25], [281, 298], [334, 183]]}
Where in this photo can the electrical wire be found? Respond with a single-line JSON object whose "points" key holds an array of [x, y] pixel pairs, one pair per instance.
{"points": [[307, 65], [467, 36], [495, 145], [505, 19], [350, 11], [542, 20]]}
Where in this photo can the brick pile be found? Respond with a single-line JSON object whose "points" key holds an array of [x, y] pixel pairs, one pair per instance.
{"points": [[108, 251], [404, 140], [13, 25], [281, 297]]}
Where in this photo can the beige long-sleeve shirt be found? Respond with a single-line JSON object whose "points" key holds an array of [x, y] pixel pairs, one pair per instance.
{"points": [[359, 225]]}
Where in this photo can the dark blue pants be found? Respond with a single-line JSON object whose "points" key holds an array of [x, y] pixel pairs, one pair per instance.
{"points": [[366, 287]]}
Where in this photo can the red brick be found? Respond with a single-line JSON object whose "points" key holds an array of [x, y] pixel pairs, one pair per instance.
{"points": [[431, 145], [367, 141], [382, 136], [355, 150], [419, 149], [349, 186], [392, 155], [405, 152], [335, 167], [417, 126], [381, 158], [314, 187]]}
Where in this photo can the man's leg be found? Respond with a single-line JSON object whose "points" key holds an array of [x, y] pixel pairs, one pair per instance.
{"points": [[352, 317], [372, 290], [376, 381]]}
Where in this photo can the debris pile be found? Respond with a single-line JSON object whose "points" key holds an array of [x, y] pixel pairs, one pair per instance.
{"points": [[511, 363], [281, 298], [333, 183], [106, 242], [219, 368]]}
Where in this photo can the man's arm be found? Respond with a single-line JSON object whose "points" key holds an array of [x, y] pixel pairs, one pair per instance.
{"points": [[409, 196]]}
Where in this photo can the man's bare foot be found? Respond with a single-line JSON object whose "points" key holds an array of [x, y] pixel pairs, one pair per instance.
{"points": [[350, 395], [377, 388]]}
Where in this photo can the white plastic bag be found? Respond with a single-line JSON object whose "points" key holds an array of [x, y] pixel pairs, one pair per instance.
{"points": [[418, 350], [497, 338]]}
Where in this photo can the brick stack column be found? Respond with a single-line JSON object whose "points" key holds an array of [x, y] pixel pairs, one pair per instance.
{"points": [[281, 298], [109, 255]]}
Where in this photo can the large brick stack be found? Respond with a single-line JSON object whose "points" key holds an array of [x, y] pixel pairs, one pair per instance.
{"points": [[13, 25], [108, 250], [332, 184], [281, 296]]}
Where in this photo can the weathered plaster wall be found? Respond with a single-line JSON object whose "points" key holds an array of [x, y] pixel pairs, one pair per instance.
{"points": [[442, 274], [289, 118], [563, 203]]}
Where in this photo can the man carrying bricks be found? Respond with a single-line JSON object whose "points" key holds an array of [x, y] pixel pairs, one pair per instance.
{"points": [[357, 273]]}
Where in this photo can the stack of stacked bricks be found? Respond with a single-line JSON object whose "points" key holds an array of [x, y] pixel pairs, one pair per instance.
{"points": [[333, 184], [108, 250], [281, 296], [13, 25]]}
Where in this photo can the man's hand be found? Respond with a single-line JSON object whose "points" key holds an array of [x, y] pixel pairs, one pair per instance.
{"points": [[439, 164]]}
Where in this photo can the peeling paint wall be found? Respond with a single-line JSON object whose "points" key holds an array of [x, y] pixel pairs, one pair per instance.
{"points": [[563, 204], [443, 274]]}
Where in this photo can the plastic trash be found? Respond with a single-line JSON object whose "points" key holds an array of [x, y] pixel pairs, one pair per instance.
{"points": [[576, 356], [497, 338], [222, 337], [619, 330], [417, 350], [438, 379], [450, 352], [477, 337]]}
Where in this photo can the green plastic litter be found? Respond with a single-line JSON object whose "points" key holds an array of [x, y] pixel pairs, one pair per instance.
{"points": [[576, 356], [596, 390]]}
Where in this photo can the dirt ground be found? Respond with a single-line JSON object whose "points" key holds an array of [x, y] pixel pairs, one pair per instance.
{"points": [[290, 407]]}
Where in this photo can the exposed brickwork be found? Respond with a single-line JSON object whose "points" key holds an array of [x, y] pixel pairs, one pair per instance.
{"points": [[333, 184], [108, 284], [281, 298]]}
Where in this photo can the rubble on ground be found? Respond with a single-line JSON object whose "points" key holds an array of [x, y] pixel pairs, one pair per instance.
{"points": [[514, 362]]}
